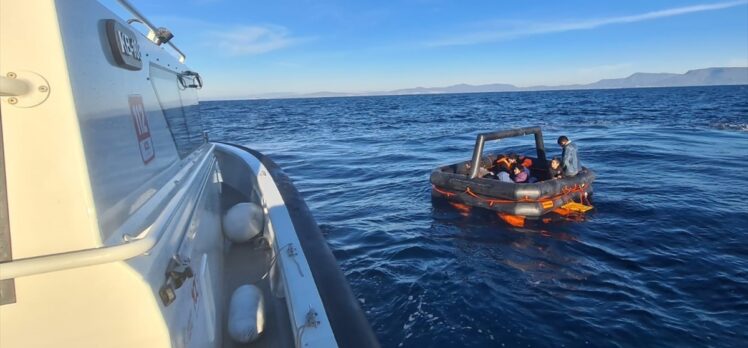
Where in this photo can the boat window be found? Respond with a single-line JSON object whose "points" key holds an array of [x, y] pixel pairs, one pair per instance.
{"points": [[192, 114], [182, 117]]}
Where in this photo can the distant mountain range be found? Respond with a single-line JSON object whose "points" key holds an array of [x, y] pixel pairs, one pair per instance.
{"points": [[698, 77]]}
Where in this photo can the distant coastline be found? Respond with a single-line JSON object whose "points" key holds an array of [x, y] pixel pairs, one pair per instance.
{"points": [[699, 77]]}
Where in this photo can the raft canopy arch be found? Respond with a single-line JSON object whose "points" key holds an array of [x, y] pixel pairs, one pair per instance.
{"points": [[482, 138]]}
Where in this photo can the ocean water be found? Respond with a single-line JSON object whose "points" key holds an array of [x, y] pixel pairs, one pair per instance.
{"points": [[663, 259]]}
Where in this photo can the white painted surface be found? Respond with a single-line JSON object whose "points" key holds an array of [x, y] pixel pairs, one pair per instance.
{"points": [[93, 224], [82, 201]]}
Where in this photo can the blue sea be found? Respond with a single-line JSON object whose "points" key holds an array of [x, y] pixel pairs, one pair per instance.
{"points": [[661, 261]]}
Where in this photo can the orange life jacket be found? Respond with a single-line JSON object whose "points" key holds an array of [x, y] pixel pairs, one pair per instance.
{"points": [[503, 163], [526, 162]]}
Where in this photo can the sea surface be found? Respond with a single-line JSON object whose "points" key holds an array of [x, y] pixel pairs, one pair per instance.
{"points": [[662, 260]]}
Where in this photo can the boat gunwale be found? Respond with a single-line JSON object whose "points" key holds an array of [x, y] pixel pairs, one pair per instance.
{"points": [[342, 309]]}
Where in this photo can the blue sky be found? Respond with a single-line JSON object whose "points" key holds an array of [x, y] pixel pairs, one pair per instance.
{"points": [[245, 48]]}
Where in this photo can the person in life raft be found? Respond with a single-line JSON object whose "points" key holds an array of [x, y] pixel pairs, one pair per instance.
{"points": [[569, 158]]}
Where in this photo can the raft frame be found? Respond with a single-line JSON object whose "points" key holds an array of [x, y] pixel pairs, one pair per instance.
{"points": [[482, 138]]}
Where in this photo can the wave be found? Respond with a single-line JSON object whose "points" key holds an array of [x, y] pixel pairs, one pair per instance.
{"points": [[661, 259]]}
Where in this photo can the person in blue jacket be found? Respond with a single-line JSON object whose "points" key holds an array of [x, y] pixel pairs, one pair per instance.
{"points": [[569, 158]]}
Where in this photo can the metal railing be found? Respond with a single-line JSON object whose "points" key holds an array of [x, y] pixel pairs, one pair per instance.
{"points": [[13, 87], [132, 246], [152, 29]]}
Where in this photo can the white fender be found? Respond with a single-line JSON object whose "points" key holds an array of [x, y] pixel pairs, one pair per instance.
{"points": [[243, 221], [246, 314]]}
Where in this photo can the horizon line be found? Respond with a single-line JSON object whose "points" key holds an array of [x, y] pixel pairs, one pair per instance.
{"points": [[523, 90], [532, 88]]}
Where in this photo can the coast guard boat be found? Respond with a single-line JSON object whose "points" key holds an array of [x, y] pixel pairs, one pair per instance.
{"points": [[121, 225]]}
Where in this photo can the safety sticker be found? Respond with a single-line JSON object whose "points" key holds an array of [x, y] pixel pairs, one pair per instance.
{"points": [[142, 129]]}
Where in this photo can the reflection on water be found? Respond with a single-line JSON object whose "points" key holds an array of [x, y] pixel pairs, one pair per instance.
{"points": [[529, 249]]}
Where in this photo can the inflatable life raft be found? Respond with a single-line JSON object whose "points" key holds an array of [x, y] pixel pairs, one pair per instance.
{"points": [[461, 183]]}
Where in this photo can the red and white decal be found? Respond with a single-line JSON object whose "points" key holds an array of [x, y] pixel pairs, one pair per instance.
{"points": [[142, 129]]}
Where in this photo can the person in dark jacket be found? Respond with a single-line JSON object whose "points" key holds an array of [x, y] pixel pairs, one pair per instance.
{"points": [[569, 159], [502, 166], [555, 170]]}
